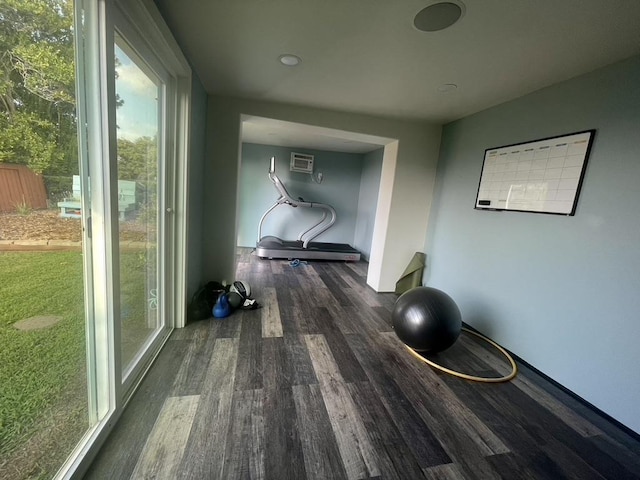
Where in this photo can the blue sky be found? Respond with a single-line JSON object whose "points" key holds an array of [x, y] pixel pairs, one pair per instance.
{"points": [[138, 116]]}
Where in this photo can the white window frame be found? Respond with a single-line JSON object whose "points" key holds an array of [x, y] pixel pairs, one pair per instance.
{"points": [[108, 395]]}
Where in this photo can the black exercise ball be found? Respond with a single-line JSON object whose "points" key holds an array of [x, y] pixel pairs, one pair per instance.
{"points": [[427, 319]]}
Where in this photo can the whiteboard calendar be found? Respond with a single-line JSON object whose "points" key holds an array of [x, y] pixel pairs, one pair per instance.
{"points": [[542, 176]]}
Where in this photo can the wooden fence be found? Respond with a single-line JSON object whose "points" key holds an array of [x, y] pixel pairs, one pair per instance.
{"points": [[19, 185]]}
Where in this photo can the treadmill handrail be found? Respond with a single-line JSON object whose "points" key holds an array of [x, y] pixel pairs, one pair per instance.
{"points": [[318, 228], [264, 215], [301, 236]]}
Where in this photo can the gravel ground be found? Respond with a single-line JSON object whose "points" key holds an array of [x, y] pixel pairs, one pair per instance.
{"points": [[49, 225]]}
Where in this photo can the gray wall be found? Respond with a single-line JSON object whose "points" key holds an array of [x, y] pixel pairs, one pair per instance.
{"points": [[563, 293], [195, 190], [368, 201], [339, 188]]}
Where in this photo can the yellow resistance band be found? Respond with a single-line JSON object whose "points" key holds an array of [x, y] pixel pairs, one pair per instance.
{"points": [[506, 378]]}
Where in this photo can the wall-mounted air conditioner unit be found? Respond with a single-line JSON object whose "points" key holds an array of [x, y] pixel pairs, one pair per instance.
{"points": [[301, 162]]}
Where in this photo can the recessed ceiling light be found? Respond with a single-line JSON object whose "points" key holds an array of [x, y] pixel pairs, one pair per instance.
{"points": [[289, 60], [447, 87], [438, 16]]}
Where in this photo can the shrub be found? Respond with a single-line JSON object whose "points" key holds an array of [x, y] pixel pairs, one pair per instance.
{"points": [[23, 207], [58, 187]]}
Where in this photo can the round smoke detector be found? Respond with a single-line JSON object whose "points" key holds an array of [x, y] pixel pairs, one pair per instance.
{"points": [[289, 60], [438, 16]]}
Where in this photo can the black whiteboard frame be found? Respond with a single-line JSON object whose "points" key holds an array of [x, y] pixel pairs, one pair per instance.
{"points": [[591, 137]]}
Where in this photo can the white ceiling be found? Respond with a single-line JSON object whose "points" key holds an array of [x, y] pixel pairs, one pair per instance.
{"points": [[267, 131], [366, 56]]}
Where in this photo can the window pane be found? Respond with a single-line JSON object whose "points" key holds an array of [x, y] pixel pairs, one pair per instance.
{"points": [[43, 394], [138, 92]]}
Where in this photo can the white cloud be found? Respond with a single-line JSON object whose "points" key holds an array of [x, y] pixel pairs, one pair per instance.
{"points": [[131, 128], [138, 115], [132, 79]]}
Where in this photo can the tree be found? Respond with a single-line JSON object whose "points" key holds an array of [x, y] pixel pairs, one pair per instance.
{"points": [[27, 139], [37, 104], [137, 159]]}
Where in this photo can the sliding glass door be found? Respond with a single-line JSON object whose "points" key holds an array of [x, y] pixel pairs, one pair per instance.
{"points": [[133, 88], [140, 152], [133, 179], [94, 108], [45, 260]]}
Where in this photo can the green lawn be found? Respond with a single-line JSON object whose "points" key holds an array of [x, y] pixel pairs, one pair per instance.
{"points": [[38, 367], [134, 300], [43, 394]]}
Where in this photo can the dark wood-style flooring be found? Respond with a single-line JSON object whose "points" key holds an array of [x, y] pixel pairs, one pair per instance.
{"points": [[315, 385]]}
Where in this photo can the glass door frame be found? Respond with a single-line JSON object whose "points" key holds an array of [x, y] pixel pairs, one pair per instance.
{"points": [[133, 45], [96, 22]]}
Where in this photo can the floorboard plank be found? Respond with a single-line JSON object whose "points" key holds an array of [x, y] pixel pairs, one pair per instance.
{"points": [[439, 401], [340, 291], [283, 448], [326, 269], [371, 321], [116, 461], [244, 448], [384, 316], [615, 450], [278, 266], [344, 319], [318, 293], [537, 435], [197, 354], [349, 367], [443, 472], [512, 465], [243, 255], [270, 314], [562, 440], [249, 369], [357, 285], [229, 327], [520, 440], [243, 269], [276, 372], [568, 416], [321, 455], [361, 268], [423, 443], [204, 453], [354, 444], [463, 436], [284, 285], [394, 456], [301, 312], [302, 372], [163, 450]]}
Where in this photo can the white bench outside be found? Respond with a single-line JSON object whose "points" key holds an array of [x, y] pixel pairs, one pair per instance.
{"points": [[127, 199]]}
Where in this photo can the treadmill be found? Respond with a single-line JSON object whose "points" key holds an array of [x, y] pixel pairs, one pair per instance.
{"points": [[303, 248]]}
